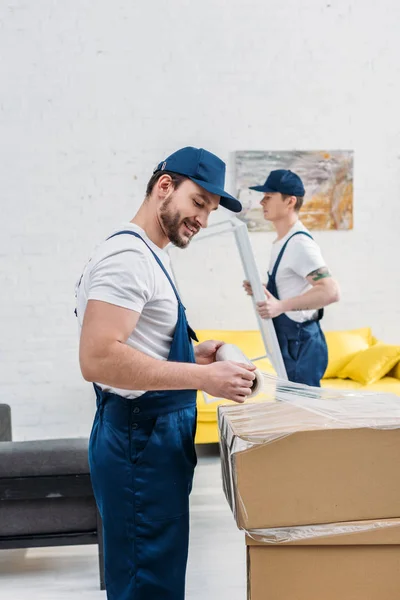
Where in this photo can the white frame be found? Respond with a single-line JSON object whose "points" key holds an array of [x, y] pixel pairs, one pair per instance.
{"points": [[266, 326]]}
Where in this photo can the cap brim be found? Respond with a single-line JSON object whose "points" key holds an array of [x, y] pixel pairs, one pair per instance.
{"points": [[262, 188], [227, 201], [267, 190]]}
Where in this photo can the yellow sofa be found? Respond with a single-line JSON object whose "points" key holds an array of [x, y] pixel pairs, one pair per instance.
{"points": [[356, 361]]}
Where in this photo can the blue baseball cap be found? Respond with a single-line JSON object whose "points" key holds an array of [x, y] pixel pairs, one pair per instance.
{"points": [[205, 169], [283, 181]]}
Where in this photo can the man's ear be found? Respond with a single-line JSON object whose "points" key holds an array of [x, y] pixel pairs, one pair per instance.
{"points": [[292, 201], [164, 185]]}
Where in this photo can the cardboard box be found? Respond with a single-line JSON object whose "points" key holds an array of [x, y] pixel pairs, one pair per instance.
{"points": [[364, 566], [285, 465]]}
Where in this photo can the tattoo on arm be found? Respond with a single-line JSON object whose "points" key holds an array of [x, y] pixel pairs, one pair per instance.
{"points": [[317, 275], [320, 273]]}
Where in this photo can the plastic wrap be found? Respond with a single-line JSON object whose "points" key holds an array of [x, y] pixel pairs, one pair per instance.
{"points": [[289, 409], [249, 424], [304, 533]]}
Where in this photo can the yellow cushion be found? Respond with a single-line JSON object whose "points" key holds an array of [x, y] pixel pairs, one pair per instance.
{"points": [[372, 364], [343, 345]]}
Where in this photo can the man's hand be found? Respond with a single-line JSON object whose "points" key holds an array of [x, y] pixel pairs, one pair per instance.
{"points": [[205, 352], [230, 380], [270, 308], [247, 287]]}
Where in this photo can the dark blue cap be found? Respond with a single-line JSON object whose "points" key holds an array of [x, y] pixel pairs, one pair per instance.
{"points": [[205, 169], [282, 181]]}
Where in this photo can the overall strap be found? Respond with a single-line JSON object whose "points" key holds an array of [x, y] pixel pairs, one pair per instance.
{"points": [[155, 256], [281, 253]]}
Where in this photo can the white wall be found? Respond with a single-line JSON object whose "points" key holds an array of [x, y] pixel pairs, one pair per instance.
{"points": [[93, 94]]}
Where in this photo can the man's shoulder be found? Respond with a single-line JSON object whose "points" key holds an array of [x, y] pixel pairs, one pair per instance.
{"points": [[125, 235], [301, 235], [303, 246], [123, 252], [121, 256], [124, 242]]}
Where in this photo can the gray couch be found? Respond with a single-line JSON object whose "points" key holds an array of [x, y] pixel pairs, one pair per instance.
{"points": [[46, 496]]}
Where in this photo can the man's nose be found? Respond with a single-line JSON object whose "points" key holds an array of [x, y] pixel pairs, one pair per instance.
{"points": [[202, 220]]}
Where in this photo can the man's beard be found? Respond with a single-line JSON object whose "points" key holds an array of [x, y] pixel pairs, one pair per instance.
{"points": [[172, 222]]}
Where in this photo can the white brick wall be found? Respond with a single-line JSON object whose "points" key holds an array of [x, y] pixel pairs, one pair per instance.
{"points": [[95, 93]]}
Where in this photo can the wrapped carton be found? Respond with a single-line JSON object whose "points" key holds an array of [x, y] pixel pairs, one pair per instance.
{"points": [[357, 561], [311, 456]]}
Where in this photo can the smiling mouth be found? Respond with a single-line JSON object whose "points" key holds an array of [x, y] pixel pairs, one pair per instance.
{"points": [[190, 228]]}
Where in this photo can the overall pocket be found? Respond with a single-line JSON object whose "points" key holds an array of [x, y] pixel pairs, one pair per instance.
{"points": [[163, 469], [139, 437]]}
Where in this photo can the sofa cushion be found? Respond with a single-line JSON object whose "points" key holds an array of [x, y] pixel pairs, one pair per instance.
{"points": [[341, 384], [67, 456], [388, 385], [343, 345], [48, 516], [372, 364]]}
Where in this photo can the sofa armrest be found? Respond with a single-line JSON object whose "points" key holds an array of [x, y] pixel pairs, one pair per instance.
{"points": [[5, 423]]}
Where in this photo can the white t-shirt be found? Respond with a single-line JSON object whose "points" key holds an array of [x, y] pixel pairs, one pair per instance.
{"points": [[123, 271], [302, 256]]}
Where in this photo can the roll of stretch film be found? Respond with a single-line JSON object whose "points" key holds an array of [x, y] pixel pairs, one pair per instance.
{"points": [[233, 353]]}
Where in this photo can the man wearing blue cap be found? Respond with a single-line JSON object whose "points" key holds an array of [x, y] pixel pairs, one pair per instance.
{"points": [[136, 347], [299, 282]]}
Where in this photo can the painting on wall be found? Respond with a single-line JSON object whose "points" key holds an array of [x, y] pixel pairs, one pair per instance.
{"points": [[327, 177]]}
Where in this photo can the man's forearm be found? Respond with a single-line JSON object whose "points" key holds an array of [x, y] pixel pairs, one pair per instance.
{"points": [[126, 368], [315, 298]]}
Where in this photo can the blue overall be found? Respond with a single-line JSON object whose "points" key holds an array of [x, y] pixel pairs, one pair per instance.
{"points": [[303, 346], [142, 458]]}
